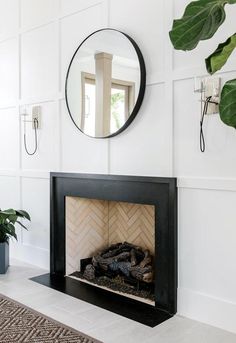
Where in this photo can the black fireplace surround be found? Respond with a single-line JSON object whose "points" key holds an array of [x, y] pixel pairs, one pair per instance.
{"points": [[160, 192]]}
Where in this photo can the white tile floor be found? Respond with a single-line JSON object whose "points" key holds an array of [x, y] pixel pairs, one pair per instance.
{"points": [[98, 323]]}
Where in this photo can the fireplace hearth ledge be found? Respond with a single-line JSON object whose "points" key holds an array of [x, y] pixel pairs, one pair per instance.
{"points": [[131, 296], [132, 309]]}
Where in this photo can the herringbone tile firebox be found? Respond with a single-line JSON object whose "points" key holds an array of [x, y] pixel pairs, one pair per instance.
{"points": [[92, 225]]}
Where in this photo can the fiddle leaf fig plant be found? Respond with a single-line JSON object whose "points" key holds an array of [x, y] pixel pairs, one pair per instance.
{"points": [[228, 103], [220, 56], [8, 219], [200, 21]]}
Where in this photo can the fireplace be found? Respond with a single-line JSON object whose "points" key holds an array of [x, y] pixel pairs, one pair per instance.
{"points": [[114, 243], [111, 244]]}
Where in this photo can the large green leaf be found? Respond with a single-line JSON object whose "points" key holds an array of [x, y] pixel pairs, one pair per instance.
{"points": [[23, 214], [8, 219], [8, 212], [13, 218], [5, 215], [22, 225], [218, 59], [200, 21], [228, 103]]}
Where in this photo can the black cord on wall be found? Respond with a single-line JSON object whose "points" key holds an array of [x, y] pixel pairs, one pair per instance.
{"points": [[35, 137], [204, 112]]}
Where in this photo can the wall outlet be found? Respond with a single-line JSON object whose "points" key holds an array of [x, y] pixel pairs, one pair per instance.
{"points": [[211, 87], [36, 114]]}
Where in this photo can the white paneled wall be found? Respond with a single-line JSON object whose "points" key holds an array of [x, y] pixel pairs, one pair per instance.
{"points": [[9, 18], [144, 148], [9, 135], [37, 40], [79, 152], [9, 72], [36, 13], [145, 23], [38, 67], [32, 189]]}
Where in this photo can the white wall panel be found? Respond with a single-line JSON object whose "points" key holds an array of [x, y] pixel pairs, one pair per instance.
{"points": [[143, 21], [79, 152], [46, 157], [39, 63], [74, 29], [9, 18], [9, 192], [139, 149], [70, 6], [8, 72], [35, 199], [219, 159], [37, 12], [9, 139], [207, 243]]}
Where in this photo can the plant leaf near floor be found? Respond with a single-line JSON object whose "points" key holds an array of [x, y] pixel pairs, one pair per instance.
{"points": [[8, 220], [200, 21]]}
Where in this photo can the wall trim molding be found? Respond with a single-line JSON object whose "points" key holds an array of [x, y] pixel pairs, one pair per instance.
{"points": [[217, 184], [204, 308], [213, 184], [37, 174]]}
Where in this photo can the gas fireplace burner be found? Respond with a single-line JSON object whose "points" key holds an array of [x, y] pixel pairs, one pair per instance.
{"points": [[122, 267], [135, 277]]}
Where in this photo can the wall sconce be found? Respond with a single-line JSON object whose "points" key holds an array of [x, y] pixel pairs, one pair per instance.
{"points": [[209, 88], [36, 125]]}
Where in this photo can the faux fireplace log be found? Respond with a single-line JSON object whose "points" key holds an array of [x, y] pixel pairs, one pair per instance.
{"points": [[125, 258], [161, 193]]}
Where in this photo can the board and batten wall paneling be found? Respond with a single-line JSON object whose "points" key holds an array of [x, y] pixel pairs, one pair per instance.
{"points": [[9, 18], [37, 40], [144, 148], [9, 72], [219, 159]]}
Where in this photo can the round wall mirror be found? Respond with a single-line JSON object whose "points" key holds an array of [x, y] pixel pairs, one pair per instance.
{"points": [[105, 83]]}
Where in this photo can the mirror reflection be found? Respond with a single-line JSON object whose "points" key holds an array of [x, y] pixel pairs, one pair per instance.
{"points": [[103, 83]]}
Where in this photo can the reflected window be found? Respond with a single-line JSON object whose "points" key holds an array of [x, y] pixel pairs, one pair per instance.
{"points": [[88, 104], [122, 103]]}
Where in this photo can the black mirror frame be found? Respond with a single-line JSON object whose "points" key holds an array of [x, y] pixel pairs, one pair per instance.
{"points": [[141, 89]]}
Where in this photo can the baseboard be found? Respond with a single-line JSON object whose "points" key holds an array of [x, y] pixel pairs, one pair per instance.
{"points": [[30, 254], [204, 308]]}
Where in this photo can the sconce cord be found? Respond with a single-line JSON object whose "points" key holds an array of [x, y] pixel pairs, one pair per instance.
{"points": [[35, 137], [204, 112]]}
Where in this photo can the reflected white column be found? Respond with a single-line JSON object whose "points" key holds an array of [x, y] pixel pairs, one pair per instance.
{"points": [[103, 63]]}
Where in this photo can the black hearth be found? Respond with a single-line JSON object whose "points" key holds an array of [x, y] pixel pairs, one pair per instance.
{"points": [[161, 193]]}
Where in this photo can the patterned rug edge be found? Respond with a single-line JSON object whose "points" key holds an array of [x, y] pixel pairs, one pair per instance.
{"points": [[49, 318]]}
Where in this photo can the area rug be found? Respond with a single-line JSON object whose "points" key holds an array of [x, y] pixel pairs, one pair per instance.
{"points": [[20, 324]]}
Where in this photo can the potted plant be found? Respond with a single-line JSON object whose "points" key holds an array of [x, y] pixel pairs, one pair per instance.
{"points": [[8, 219]]}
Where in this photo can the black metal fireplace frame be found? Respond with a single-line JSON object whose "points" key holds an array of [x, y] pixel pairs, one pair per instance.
{"points": [[160, 192]]}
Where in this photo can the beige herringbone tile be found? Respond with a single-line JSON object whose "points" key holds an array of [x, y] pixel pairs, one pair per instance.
{"points": [[86, 229], [92, 225], [133, 223]]}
